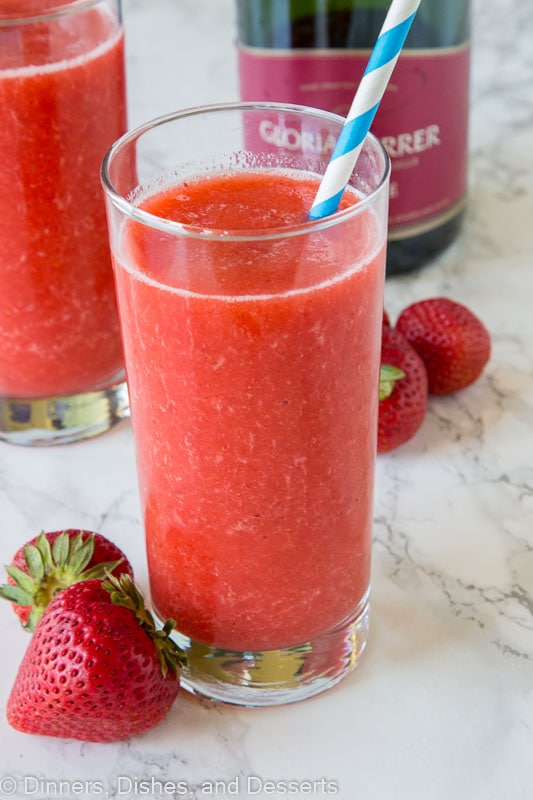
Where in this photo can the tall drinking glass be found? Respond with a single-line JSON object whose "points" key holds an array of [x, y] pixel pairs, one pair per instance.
{"points": [[62, 104], [252, 346]]}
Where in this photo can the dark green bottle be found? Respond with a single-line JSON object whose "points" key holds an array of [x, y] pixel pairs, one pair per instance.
{"points": [[314, 52]]}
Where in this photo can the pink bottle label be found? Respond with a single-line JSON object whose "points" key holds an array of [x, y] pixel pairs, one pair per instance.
{"points": [[422, 120]]}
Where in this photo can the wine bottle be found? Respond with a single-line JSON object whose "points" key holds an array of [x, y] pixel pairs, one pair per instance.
{"points": [[314, 52]]}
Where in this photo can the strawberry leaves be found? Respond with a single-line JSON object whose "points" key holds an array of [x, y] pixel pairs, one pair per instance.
{"points": [[53, 561], [388, 375], [123, 592]]}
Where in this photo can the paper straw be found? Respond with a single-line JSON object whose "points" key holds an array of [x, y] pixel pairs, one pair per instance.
{"points": [[364, 106]]}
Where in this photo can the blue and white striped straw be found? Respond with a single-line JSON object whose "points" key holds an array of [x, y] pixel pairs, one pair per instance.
{"points": [[365, 104]]}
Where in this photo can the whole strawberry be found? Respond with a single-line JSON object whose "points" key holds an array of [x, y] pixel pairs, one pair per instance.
{"points": [[452, 342], [96, 668], [51, 562], [403, 391]]}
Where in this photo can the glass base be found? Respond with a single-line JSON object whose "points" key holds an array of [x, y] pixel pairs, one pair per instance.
{"points": [[61, 420], [275, 677]]}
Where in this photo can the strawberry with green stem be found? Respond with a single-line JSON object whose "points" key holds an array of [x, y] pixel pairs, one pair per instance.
{"points": [[51, 562], [403, 391], [96, 668]]}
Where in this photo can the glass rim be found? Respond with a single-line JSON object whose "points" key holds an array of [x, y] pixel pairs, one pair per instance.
{"points": [[213, 234], [7, 19]]}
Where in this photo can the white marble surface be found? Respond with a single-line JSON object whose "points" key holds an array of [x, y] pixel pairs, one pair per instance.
{"points": [[442, 704]]}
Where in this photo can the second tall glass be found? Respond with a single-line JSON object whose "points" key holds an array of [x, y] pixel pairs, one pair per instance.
{"points": [[62, 104]]}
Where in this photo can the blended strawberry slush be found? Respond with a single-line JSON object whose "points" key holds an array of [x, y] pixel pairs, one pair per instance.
{"points": [[62, 103], [253, 379]]}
